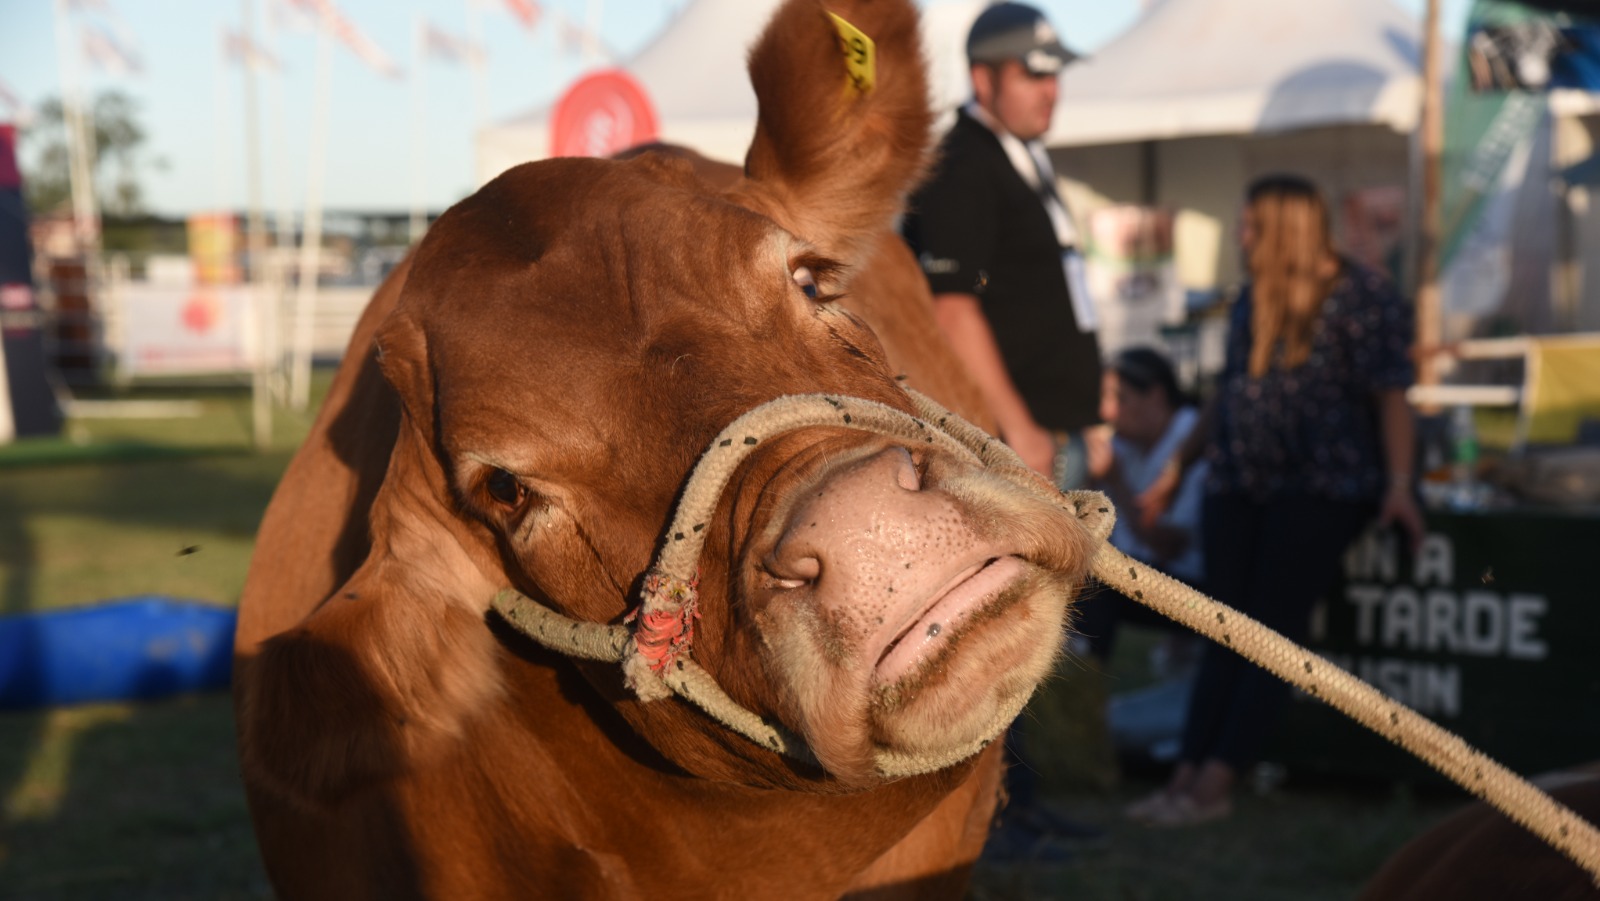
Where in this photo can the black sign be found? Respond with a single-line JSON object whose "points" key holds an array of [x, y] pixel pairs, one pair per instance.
{"points": [[1489, 631]]}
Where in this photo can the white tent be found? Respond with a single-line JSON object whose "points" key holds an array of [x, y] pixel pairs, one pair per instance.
{"points": [[694, 74], [1200, 96], [1230, 67]]}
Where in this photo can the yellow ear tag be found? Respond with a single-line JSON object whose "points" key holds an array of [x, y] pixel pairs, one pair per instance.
{"points": [[860, 57]]}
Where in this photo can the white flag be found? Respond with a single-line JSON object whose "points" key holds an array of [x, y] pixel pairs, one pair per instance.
{"points": [[574, 38], [448, 47], [340, 27], [107, 53], [287, 15], [526, 11], [241, 49]]}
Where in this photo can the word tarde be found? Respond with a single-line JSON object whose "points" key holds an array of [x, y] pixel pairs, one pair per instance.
{"points": [[1429, 615]]}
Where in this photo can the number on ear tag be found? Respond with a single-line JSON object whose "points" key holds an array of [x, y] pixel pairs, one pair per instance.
{"points": [[860, 59]]}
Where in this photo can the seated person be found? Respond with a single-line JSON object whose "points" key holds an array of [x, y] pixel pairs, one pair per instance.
{"points": [[1149, 420]]}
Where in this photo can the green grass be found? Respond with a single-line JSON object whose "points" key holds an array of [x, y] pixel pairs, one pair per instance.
{"points": [[132, 801], [125, 801], [120, 507], [143, 801], [79, 533]]}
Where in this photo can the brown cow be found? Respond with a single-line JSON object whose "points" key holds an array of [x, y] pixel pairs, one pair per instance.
{"points": [[520, 408], [1479, 854]]}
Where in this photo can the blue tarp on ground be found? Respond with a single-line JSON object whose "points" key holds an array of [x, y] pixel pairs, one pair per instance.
{"points": [[133, 649]]}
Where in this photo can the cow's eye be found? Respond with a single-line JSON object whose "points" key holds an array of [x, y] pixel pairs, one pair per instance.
{"points": [[505, 488], [808, 283], [817, 277]]}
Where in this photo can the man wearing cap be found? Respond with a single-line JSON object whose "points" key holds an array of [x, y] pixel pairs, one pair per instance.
{"points": [[1001, 251], [1001, 255]]}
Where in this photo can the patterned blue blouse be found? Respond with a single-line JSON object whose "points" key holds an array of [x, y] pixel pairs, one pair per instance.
{"points": [[1313, 430]]}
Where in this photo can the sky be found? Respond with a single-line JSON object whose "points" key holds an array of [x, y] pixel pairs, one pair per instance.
{"points": [[190, 100]]}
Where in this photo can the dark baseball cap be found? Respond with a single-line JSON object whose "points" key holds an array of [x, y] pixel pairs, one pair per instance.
{"points": [[1017, 31]]}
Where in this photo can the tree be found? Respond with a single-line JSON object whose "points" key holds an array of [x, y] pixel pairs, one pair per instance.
{"points": [[118, 144]]}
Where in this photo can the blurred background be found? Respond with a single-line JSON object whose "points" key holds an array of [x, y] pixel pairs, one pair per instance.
{"points": [[198, 198]]}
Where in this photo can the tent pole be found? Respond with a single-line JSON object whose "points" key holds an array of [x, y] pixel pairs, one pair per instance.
{"points": [[1429, 319]]}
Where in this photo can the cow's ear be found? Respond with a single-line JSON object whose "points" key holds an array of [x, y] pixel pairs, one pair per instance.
{"points": [[403, 357], [379, 680], [844, 128]]}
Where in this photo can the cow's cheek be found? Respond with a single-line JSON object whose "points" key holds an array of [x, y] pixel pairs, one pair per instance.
{"points": [[552, 555], [813, 661]]}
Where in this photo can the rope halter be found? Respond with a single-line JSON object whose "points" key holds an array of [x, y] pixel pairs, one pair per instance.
{"points": [[654, 642]]}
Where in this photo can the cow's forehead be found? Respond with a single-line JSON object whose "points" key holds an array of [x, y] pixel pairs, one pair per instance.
{"points": [[567, 238], [535, 209], [563, 282]]}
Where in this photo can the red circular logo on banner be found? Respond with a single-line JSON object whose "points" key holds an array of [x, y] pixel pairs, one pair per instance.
{"points": [[601, 114]]}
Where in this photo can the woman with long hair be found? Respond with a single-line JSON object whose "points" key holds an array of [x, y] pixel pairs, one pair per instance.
{"points": [[1307, 438]]}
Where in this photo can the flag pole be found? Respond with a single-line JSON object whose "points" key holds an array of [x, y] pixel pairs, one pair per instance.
{"points": [[278, 273], [419, 130], [221, 174], [311, 233], [255, 231], [591, 33], [474, 63], [80, 180], [80, 148]]}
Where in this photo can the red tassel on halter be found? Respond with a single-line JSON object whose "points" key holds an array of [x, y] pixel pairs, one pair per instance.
{"points": [[663, 626]]}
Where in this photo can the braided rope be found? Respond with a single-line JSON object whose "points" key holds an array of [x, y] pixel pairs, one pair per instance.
{"points": [[657, 675], [1446, 752], [614, 644]]}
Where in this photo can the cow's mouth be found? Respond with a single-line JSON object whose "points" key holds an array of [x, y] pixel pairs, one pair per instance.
{"points": [[936, 625]]}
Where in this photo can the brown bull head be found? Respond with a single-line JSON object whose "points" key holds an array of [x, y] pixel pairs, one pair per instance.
{"points": [[568, 341]]}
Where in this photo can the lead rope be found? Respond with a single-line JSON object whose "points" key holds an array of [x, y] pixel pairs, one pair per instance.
{"points": [[653, 643]]}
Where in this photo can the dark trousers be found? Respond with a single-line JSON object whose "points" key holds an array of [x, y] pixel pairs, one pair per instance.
{"points": [[1270, 560]]}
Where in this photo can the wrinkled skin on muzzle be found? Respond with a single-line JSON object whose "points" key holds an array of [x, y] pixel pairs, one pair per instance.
{"points": [[903, 600]]}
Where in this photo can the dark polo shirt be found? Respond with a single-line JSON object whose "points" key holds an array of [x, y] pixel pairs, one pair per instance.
{"points": [[978, 228]]}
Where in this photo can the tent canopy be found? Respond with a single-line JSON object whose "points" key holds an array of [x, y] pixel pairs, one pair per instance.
{"points": [[1222, 67], [694, 74], [1186, 68]]}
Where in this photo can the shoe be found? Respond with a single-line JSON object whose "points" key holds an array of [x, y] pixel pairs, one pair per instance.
{"points": [[1014, 843], [1183, 810], [1148, 807], [1046, 820]]}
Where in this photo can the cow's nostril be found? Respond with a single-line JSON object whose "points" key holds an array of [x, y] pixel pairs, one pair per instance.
{"points": [[795, 572], [906, 474]]}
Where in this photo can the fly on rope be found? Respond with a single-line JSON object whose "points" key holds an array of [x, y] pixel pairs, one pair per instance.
{"points": [[654, 643]]}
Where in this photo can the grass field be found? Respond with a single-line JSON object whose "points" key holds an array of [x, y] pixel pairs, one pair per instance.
{"points": [[143, 801]]}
